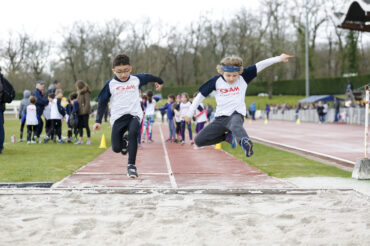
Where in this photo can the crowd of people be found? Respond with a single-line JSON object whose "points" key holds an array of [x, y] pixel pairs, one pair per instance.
{"points": [[46, 109]]}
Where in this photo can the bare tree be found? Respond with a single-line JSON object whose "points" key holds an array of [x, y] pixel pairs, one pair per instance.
{"points": [[37, 57]]}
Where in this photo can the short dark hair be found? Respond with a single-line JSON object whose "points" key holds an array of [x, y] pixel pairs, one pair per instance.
{"points": [[72, 96], [172, 96], [121, 59], [51, 95], [56, 81]]}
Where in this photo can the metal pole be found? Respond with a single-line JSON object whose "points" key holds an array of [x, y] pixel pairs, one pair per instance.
{"points": [[366, 118], [307, 56]]}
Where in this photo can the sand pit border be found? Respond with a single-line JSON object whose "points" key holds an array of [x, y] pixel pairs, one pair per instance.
{"points": [[143, 191]]}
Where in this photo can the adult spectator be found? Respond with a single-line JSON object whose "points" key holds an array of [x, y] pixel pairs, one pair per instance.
{"points": [[56, 85], [41, 103], [7, 95], [320, 112], [337, 109], [298, 107], [2, 109], [325, 110], [252, 110]]}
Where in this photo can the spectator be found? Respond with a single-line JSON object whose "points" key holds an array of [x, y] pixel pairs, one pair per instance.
{"points": [[349, 87], [299, 106], [41, 103], [252, 110], [2, 109], [54, 86], [337, 109], [325, 111], [83, 98], [209, 112], [267, 111], [22, 111], [320, 112]]}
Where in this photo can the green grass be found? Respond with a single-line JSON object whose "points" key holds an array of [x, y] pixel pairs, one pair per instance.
{"points": [[50, 162], [283, 164]]}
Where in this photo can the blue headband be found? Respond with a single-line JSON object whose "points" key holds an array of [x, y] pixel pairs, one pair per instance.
{"points": [[230, 68]]}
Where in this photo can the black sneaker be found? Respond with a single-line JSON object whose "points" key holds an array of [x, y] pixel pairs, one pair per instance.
{"points": [[125, 145], [131, 171]]}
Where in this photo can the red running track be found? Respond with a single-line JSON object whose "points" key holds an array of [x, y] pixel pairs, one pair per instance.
{"points": [[164, 165], [345, 142]]}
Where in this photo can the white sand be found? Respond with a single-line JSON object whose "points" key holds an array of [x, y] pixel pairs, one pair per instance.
{"points": [[75, 218]]}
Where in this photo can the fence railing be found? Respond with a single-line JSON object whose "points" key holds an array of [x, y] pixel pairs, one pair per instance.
{"points": [[354, 116]]}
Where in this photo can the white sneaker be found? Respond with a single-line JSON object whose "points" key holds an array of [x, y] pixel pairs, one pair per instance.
{"points": [[32, 141], [28, 142]]}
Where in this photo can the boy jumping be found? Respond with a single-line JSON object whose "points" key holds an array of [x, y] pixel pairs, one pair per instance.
{"points": [[126, 113], [230, 87]]}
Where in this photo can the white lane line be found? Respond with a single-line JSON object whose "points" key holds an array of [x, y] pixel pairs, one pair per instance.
{"points": [[304, 150], [170, 173], [122, 173]]}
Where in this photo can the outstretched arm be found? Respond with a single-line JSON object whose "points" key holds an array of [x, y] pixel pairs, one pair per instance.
{"points": [[270, 61], [146, 78], [251, 72]]}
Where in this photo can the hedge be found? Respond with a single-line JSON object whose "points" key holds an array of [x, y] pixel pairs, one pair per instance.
{"points": [[319, 86]]}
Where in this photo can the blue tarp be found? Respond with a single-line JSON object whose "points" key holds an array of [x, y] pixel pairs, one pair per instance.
{"points": [[317, 98]]}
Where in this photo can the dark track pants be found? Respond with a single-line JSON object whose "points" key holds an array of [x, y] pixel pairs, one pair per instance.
{"points": [[216, 131], [121, 125]]}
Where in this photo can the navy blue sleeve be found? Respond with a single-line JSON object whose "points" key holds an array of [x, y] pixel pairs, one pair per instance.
{"points": [[249, 73], [60, 108], [40, 100], [145, 78], [177, 107], [75, 107], [209, 86], [103, 99], [200, 108], [165, 107]]}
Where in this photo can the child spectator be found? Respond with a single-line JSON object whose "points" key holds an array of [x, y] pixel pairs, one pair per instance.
{"points": [[171, 125], [22, 111], [73, 117], [183, 107], [31, 120], [57, 113], [149, 106], [83, 92], [201, 116], [177, 118]]}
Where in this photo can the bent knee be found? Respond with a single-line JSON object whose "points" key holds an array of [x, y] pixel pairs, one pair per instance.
{"points": [[198, 141], [116, 149]]}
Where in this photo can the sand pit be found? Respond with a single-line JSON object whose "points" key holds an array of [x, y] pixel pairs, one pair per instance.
{"points": [[76, 218]]}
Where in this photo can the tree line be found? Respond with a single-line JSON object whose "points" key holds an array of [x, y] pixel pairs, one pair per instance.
{"points": [[187, 56]]}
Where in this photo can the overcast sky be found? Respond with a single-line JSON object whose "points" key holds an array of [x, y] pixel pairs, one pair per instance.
{"points": [[45, 19]]}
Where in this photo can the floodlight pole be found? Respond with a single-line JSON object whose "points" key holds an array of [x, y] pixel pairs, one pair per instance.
{"points": [[307, 57], [366, 118]]}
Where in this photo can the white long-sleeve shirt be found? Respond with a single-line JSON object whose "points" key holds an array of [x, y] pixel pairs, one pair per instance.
{"points": [[230, 97]]}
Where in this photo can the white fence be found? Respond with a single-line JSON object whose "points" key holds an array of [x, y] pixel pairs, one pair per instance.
{"points": [[354, 116], [13, 107]]}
